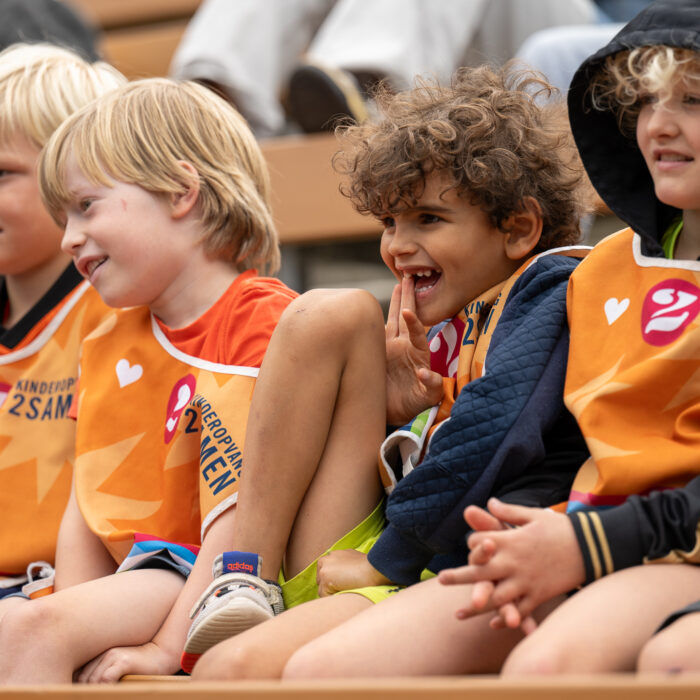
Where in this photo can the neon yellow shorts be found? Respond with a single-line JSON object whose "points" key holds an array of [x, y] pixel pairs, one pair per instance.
{"points": [[303, 586], [376, 594]]}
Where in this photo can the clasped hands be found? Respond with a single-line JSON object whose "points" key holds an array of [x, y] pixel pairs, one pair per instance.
{"points": [[519, 558]]}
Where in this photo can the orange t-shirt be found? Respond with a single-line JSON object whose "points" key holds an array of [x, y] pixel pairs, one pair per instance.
{"points": [[249, 309], [162, 416]]}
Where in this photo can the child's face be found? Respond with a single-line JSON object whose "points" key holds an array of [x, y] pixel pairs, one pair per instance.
{"points": [[450, 248], [30, 240], [122, 241], [668, 135]]}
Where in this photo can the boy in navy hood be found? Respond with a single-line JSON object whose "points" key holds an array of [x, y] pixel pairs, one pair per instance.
{"points": [[632, 378]]}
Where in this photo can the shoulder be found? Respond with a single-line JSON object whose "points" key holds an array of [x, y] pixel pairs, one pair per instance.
{"points": [[127, 321], [615, 248], [554, 265], [249, 316], [545, 276], [260, 299], [254, 290]]}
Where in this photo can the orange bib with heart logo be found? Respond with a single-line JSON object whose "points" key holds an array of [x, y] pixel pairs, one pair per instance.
{"points": [[633, 381]]}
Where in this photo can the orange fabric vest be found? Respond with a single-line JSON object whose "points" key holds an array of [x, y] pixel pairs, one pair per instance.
{"points": [[633, 378], [160, 435], [37, 383]]}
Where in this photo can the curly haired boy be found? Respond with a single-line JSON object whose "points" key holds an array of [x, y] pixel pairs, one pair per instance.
{"points": [[473, 186]]}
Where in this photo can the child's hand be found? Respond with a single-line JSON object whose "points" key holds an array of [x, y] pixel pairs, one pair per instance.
{"points": [[344, 569], [479, 520], [411, 385], [147, 659], [520, 568]]}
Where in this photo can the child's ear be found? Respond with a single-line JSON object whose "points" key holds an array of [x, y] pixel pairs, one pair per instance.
{"points": [[524, 229], [181, 203]]}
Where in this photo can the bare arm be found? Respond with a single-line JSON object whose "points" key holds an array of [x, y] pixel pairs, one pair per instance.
{"points": [[80, 554], [162, 655]]}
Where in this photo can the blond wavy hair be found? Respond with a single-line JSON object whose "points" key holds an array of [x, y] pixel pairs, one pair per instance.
{"points": [[627, 76], [41, 85], [142, 133], [486, 133]]}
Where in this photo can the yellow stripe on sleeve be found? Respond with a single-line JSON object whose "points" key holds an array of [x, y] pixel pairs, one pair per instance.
{"points": [[588, 535], [602, 541]]}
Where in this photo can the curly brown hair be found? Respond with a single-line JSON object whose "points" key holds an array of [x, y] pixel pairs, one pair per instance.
{"points": [[486, 132]]}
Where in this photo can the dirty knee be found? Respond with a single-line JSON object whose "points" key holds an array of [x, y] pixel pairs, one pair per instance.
{"points": [[330, 315]]}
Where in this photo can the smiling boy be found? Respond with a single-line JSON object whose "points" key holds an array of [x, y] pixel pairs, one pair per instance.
{"points": [[163, 194], [435, 240], [466, 201], [156, 265]]}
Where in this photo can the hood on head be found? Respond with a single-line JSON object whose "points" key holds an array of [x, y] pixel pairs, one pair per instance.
{"points": [[613, 162]]}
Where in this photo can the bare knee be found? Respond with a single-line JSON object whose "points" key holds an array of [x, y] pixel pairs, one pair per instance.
{"points": [[671, 651], [34, 625], [659, 655], [331, 315], [305, 663], [533, 658], [10, 603], [231, 661]]}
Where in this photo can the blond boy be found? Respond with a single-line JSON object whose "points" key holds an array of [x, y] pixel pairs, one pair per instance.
{"points": [[163, 193]]}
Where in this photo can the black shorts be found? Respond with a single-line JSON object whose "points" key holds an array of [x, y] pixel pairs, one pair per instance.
{"points": [[692, 608]]}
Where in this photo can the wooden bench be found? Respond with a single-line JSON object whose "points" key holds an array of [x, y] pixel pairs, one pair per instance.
{"points": [[139, 36], [308, 207], [606, 687]]}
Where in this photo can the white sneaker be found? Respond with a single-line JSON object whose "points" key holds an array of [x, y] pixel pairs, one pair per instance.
{"points": [[236, 600]]}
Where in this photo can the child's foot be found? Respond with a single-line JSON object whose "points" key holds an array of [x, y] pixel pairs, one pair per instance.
{"points": [[236, 600]]}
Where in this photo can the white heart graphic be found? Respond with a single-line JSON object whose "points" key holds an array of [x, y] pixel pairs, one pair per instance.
{"points": [[128, 374], [614, 309]]}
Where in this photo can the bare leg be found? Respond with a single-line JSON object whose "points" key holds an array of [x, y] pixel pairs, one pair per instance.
{"points": [[47, 639], [7, 604], [262, 651], [316, 422], [413, 633], [603, 627], [675, 649]]}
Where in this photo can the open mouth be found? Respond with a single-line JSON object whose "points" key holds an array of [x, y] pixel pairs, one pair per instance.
{"points": [[93, 265], [673, 158], [425, 280]]}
